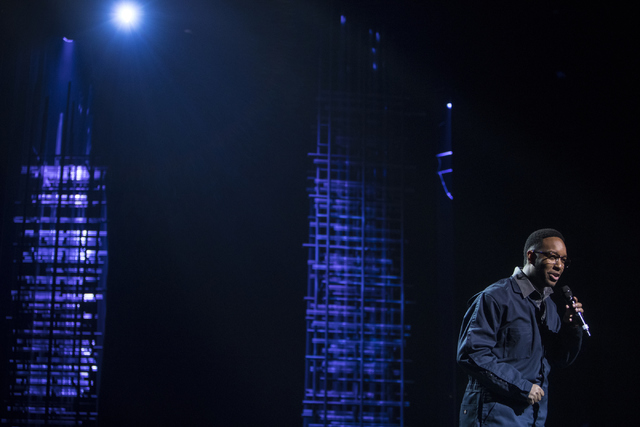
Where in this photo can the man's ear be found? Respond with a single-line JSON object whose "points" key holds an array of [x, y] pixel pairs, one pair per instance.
{"points": [[531, 257]]}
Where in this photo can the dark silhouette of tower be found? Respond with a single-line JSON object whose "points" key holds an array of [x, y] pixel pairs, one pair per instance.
{"points": [[355, 316]]}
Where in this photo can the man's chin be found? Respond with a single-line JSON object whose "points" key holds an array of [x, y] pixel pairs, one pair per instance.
{"points": [[552, 280], [552, 283]]}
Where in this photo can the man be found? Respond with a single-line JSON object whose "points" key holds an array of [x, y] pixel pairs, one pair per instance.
{"points": [[512, 334]]}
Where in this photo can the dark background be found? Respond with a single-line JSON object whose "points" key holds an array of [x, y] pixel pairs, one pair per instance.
{"points": [[205, 116]]}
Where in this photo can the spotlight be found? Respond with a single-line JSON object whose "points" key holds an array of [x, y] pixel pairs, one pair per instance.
{"points": [[127, 15], [449, 105]]}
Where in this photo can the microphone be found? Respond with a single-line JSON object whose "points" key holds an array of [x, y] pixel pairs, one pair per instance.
{"points": [[568, 296]]}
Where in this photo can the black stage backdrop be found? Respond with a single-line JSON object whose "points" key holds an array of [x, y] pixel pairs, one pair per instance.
{"points": [[205, 116]]}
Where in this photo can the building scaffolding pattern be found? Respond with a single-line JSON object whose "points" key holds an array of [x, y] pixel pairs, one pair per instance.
{"points": [[355, 303], [56, 312], [58, 299]]}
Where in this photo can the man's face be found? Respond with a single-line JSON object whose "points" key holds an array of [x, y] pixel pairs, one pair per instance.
{"points": [[547, 271]]}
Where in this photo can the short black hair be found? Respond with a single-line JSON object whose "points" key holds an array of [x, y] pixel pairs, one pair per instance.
{"points": [[535, 239]]}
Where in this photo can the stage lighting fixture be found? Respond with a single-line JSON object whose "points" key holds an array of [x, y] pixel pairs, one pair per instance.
{"points": [[127, 14], [449, 105]]}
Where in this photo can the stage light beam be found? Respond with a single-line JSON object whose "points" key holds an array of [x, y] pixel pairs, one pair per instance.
{"points": [[127, 15]]}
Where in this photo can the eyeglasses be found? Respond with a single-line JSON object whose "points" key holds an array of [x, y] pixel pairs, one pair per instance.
{"points": [[554, 257]]}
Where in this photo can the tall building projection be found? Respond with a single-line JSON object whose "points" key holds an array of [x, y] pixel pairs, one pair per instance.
{"points": [[355, 303], [57, 293]]}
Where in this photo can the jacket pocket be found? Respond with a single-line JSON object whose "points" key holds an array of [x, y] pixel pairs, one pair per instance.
{"points": [[517, 343]]}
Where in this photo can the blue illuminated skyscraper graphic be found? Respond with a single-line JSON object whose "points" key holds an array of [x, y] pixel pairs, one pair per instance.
{"points": [[57, 293], [355, 317]]}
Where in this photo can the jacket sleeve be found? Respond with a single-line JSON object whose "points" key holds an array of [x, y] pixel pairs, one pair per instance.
{"points": [[478, 337]]}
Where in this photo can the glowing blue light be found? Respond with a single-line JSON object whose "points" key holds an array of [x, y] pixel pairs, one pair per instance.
{"points": [[449, 105], [343, 19], [66, 40], [127, 15], [444, 185], [442, 172], [375, 66]]}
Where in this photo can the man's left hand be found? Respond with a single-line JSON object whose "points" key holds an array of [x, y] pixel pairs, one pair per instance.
{"points": [[570, 314]]}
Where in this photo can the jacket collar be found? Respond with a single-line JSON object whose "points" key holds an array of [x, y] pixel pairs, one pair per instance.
{"points": [[525, 286]]}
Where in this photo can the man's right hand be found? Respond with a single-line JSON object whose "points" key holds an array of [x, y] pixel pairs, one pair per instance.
{"points": [[535, 395]]}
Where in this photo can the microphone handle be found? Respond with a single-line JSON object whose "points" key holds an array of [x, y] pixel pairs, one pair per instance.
{"points": [[568, 295], [585, 327]]}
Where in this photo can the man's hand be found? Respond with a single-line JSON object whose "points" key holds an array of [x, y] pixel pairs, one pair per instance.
{"points": [[569, 315], [535, 395]]}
